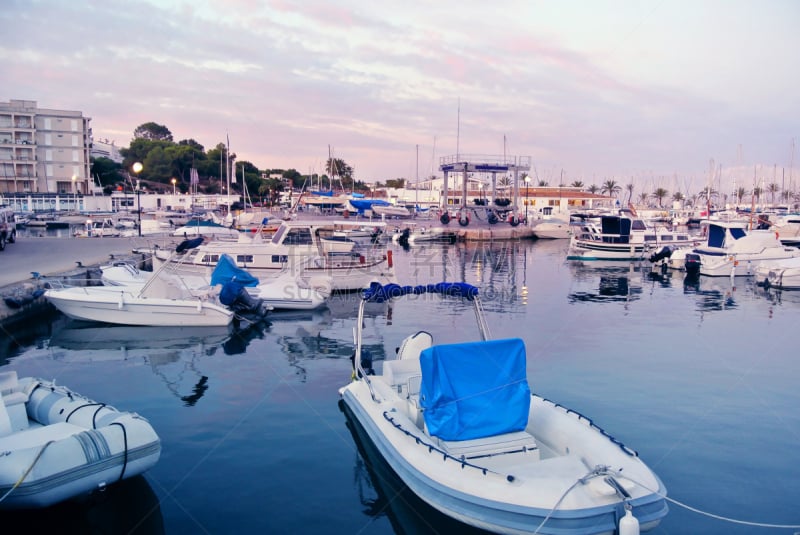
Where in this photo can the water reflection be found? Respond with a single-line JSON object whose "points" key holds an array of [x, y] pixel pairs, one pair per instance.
{"points": [[382, 492], [305, 336], [129, 506], [609, 282], [172, 353], [713, 293]]}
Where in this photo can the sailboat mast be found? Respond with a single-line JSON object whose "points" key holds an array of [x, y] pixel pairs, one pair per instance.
{"points": [[227, 169]]}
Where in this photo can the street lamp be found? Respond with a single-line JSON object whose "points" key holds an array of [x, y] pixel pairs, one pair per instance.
{"points": [[137, 168], [173, 186], [74, 193], [527, 183]]}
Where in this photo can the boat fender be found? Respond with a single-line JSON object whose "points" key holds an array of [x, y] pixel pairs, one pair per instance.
{"points": [[389, 258], [513, 220], [445, 218], [121, 303], [199, 305], [628, 524]]}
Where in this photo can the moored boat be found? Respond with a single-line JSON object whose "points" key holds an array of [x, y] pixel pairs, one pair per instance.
{"points": [[59, 445], [460, 426]]}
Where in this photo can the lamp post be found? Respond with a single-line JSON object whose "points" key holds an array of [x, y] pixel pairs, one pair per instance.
{"points": [[173, 186], [527, 182], [137, 168], [74, 193]]}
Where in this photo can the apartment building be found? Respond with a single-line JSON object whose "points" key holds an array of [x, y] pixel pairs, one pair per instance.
{"points": [[43, 150]]}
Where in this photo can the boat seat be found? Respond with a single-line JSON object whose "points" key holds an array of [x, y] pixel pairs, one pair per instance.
{"points": [[516, 442], [412, 346], [13, 413], [398, 373]]}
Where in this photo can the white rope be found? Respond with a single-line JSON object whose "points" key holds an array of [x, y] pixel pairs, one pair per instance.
{"points": [[600, 471], [712, 515]]}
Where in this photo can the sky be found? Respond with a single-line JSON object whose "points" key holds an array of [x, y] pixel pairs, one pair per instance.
{"points": [[661, 93]]}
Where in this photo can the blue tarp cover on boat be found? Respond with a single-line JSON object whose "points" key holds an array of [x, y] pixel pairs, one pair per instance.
{"points": [[475, 390], [367, 204], [227, 271]]}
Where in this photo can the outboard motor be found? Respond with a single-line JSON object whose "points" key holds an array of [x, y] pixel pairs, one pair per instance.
{"points": [[234, 296], [692, 264], [403, 239], [366, 362], [665, 252]]}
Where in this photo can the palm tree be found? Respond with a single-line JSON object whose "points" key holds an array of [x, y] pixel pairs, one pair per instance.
{"points": [[740, 193], [678, 197], [577, 184], [707, 193], [756, 194], [643, 198], [542, 184], [611, 188], [659, 194], [594, 188], [629, 187], [773, 188]]}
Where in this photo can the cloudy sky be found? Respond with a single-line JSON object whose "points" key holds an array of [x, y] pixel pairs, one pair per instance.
{"points": [[653, 92]]}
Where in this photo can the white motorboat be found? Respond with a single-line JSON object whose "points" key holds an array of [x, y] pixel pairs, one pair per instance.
{"points": [[552, 228], [460, 427], [391, 210], [412, 234], [59, 445], [166, 298], [311, 247], [167, 305], [781, 274], [731, 250], [282, 291], [621, 237]]}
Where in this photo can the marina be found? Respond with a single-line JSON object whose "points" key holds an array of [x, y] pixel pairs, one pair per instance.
{"points": [[691, 373]]}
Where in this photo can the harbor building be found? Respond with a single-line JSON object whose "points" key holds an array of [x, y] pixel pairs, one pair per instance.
{"points": [[43, 151]]}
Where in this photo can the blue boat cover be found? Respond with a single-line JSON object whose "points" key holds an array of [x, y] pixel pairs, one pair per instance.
{"points": [[367, 204], [379, 293], [227, 271], [475, 390]]}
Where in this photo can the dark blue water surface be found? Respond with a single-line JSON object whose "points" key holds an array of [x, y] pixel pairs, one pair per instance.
{"points": [[701, 378]]}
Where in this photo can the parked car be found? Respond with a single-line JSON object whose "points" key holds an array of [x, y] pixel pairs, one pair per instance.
{"points": [[8, 227]]}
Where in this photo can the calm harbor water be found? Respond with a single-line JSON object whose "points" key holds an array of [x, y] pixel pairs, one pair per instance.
{"points": [[699, 377]]}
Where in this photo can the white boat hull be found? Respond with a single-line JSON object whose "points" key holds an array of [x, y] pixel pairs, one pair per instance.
{"points": [[74, 445], [782, 274], [583, 250], [124, 307], [489, 500]]}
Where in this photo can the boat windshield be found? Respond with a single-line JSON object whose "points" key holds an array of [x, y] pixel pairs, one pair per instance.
{"points": [[276, 238]]}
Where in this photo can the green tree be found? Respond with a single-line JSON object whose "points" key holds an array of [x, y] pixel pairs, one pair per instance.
{"points": [[152, 131], [157, 166], [106, 171], [629, 187], [678, 197], [659, 195], [773, 188], [611, 188], [740, 194], [577, 184], [594, 188]]}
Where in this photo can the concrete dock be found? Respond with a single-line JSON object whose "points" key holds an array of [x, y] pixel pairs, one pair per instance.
{"points": [[27, 264]]}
